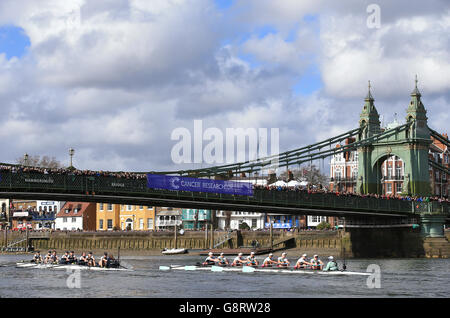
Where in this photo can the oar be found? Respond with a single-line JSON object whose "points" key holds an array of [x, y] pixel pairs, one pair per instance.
{"points": [[216, 269], [164, 268], [248, 269], [344, 267]]}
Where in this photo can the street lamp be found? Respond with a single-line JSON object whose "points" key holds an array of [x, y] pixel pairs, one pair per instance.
{"points": [[25, 159], [71, 152]]}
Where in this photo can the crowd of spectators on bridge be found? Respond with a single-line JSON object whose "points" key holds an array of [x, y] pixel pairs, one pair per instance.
{"points": [[323, 190], [134, 175], [70, 171]]}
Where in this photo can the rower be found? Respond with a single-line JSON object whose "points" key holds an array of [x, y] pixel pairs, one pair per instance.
{"points": [[210, 260], [112, 262], [283, 261], [48, 257], [331, 265], [65, 258], [268, 261], [83, 259], [222, 260], [90, 260], [316, 263], [54, 258], [238, 260], [251, 260], [104, 260], [72, 258], [302, 262], [37, 258]]}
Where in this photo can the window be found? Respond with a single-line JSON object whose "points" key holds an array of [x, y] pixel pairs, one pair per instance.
{"points": [[128, 207], [100, 224], [141, 207], [109, 206], [141, 224], [149, 224], [64, 220], [74, 220], [398, 188], [254, 223], [389, 172], [110, 224], [389, 187], [101, 206]]}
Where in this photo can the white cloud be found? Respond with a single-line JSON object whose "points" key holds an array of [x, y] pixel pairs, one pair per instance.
{"points": [[115, 85]]}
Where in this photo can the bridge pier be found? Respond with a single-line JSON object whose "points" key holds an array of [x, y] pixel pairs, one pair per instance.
{"points": [[432, 225]]}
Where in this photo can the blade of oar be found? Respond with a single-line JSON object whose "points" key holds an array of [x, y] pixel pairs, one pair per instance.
{"points": [[164, 268], [216, 269], [248, 269], [190, 268]]}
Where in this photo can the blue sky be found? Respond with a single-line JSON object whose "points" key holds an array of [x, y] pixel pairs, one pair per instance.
{"points": [[224, 4], [13, 41]]}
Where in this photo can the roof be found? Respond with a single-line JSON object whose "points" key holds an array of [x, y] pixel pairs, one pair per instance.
{"points": [[74, 209]]}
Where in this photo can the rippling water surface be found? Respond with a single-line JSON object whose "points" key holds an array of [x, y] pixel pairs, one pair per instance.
{"points": [[399, 278]]}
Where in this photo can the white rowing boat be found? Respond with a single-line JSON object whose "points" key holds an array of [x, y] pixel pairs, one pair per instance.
{"points": [[72, 267], [174, 251], [248, 269]]}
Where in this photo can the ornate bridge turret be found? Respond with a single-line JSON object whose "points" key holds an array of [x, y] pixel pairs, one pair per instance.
{"points": [[410, 144]]}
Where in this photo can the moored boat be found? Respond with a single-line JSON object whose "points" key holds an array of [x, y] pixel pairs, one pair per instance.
{"points": [[174, 251]]}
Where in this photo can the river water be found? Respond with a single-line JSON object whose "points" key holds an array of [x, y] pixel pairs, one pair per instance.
{"points": [[399, 278]]}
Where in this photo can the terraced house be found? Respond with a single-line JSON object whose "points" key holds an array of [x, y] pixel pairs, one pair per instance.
{"points": [[125, 217]]}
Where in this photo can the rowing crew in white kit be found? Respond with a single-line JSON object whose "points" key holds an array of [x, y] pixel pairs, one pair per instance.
{"points": [[282, 261]]}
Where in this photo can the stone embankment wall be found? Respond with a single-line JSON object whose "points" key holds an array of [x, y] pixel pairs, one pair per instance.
{"points": [[355, 242]]}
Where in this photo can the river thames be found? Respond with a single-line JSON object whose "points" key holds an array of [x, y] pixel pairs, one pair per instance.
{"points": [[399, 278]]}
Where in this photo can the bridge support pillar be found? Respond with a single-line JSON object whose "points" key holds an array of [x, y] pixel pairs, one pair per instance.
{"points": [[432, 225]]}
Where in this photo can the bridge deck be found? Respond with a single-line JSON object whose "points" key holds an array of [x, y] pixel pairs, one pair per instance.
{"points": [[135, 191]]}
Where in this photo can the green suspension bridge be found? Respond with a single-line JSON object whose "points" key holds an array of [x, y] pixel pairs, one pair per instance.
{"points": [[410, 141]]}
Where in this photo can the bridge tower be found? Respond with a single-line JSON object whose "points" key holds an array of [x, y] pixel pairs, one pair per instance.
{"points": [[411, 145]]}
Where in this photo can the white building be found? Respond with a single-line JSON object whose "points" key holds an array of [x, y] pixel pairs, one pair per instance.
{"points": [[49, 206], [314, 220], [69, 222], [344, 170], [254, 220], [167, 218]]}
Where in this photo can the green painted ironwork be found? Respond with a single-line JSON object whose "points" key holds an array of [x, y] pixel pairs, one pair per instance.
{"points": [[105, 185]]}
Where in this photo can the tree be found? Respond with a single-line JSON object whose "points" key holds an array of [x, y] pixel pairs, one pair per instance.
{"points": [[37, 161], [323, 226], [244, 226], [311, 174]]}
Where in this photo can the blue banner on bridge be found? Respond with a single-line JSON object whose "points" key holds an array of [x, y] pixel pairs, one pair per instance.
{"points": [[158, 181]]}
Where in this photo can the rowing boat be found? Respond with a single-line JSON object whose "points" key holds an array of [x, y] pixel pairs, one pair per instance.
{"points": [[71, 267], [249, 269], [174, 251]]}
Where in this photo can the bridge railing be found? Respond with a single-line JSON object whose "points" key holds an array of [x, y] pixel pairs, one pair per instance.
{"points": [[108, 185]]}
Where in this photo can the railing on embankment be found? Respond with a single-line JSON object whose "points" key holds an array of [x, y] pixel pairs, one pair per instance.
{"points": [[137, 188]]}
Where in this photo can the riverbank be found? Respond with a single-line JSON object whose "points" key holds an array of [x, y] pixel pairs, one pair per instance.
{"points": [[353, 243]]}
